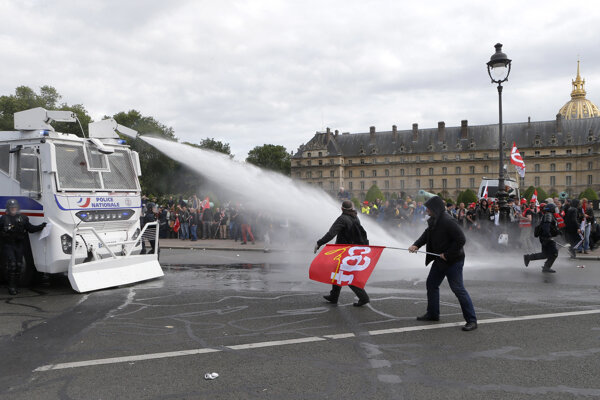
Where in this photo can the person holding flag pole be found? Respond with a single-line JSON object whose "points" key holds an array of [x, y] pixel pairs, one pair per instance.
{"points": [[444, 236]]}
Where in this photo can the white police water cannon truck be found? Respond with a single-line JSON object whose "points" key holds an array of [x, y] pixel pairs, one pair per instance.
{"points": [[87, 190]]}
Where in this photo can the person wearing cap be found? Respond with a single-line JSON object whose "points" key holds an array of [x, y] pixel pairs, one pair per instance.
{"points": [[347, 230], [546, 230], [14, 227], [444, 236], [365, 209], [471, 217]]}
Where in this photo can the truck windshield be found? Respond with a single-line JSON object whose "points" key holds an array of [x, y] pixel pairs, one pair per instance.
{"points": [[73, 173]]}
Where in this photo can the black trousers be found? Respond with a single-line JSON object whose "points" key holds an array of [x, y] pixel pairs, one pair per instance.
{"points": [[360, 293], [13, 254], [549, 253]]}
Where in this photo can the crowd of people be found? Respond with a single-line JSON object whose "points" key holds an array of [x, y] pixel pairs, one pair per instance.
{"points": [[482, 220], [195, 219]]}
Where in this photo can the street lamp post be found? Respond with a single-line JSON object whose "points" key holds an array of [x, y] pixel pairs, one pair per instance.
{"points": [[498, 69]]}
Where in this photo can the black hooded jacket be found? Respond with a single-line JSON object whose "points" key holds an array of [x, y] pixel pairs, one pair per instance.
{"points": [[348, 230], [443, 234], [572, 218]]}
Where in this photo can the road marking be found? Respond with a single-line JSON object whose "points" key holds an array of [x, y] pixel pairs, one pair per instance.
{"points": [[153, 356]]}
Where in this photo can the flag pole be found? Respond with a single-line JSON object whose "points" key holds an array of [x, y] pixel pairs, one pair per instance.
{"points": [[418, 251]]}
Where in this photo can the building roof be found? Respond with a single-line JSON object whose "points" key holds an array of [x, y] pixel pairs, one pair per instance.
{"points": [[560, 132]]}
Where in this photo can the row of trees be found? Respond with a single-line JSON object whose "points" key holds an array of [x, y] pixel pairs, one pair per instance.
{"points": [[161, 175]]}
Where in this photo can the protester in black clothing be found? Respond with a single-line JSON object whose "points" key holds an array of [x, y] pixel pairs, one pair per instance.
{"points": [[443, 236], [13, 235], [546, 230], [572, 225], [163, 223], [347, 230], [207, 219]]}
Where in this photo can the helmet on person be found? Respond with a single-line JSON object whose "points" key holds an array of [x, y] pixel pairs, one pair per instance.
{"points": [[12, 203], [549, 208], [150, 206]]}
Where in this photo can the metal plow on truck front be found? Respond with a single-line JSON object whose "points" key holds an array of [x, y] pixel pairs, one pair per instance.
{"points": [[111, 264]]}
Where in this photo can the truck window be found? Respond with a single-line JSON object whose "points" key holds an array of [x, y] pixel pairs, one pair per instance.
{"points": [[28, 170], [122, 176], [71, 169], [4, 157]]}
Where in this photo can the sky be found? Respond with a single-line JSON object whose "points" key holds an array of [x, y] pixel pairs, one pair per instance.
{"points": [[259, 72]]}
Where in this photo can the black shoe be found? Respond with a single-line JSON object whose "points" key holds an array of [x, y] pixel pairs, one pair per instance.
{"points": [[331, 299], [469, 326], [361, 302], [243, 242], [526, 259], [12, 291], [548, 270], [427, 317]]}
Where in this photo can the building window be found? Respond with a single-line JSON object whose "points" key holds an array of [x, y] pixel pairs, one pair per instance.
{"points": [[589, 180], [536, 167], [308, 163], [522, 154], [444, 171], [445, 157], [568, 180], [374, 161], [331, 173], [320, 174], [418, 158], [401, 171], [431, 184], [331, 161], [444, 183], [536, 181], [569, 152], [349, 185], [387, 172], [331, 187], [568, 166], [298, 175], [418, 171], [458, 183], [374, 183], [349, 174], [430, 171], [402, 184], [362, 173], [362, 160], [374, 172], [320, 162], [308, 155], [552, 181], [589, 150], [349, 162], [472, 170], [387, 160], [386, 184], [457, 170], [552, 167], [486, 156], [298, 163], [521, 181], [458, 156], [320, 154], [362, 185], [537, 153], [590, 165], [309, 175], [430, 158], [472, 182], [418, 182], [486, 169], [472, 156], [552, 153]]}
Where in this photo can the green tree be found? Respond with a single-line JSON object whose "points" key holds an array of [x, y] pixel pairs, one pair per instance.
{"points": [[48, 98], [541, 194], [589, 194], [459, 197], [214, 145], [356, 202], [272, 157], [469, 196], [528, 193], [374, 193]]}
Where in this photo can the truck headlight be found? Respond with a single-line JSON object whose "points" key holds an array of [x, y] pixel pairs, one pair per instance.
{"points": [[66, 242]]}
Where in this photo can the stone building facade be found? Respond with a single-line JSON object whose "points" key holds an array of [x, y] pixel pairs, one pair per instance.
{"points": [[560, 155]]}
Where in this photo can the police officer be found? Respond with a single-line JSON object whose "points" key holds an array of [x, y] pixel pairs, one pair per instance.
{"points": [[13, 234], [347, 230], [547, 229], [149, 216]]}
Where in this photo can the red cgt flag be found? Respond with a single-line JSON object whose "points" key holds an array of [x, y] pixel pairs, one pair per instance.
{"points": [[345, 264], [176, 225]]}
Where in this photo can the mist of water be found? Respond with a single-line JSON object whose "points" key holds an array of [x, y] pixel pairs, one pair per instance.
{"points": [[309, 210]]}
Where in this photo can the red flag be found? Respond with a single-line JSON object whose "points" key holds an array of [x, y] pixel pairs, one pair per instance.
{"points": [[517, 160], [176, 225], [205, 203], [534, 197], [345, 264]]}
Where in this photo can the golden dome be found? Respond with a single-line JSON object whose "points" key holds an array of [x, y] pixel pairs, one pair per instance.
{"points": [[579, 106]]}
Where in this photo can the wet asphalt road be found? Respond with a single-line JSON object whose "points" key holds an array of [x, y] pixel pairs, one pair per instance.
{"points": [[271, 336]]}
